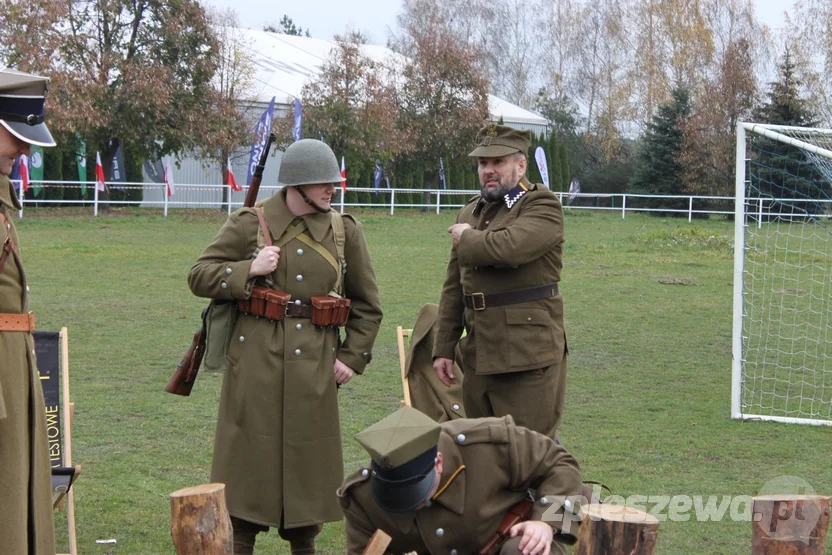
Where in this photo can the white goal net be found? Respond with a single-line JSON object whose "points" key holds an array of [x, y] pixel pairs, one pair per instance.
{"points": [[782, 348]]}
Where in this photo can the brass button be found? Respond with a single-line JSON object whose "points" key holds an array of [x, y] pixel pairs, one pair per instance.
{"points": [[460, 438], [224, 285], [440, 532], [299, 277], [228, 271], [299, 327], [242, 339], [300, 252], [297, 352]]}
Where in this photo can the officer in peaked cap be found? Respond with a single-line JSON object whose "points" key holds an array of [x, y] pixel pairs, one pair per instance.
{"points": [[22, 99], [502, 284], [445, 488], [26, 525]]}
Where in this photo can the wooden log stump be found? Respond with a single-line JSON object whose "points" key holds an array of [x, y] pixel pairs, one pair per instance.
{"points": [[789, 524], [378, 543], [200, 524], [616, 530]]}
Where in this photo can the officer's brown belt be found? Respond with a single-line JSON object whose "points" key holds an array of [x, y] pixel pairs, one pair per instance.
{"points": [[17, 322], [481, 301]]}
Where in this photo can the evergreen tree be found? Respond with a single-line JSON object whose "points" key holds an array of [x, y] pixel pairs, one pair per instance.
{"points": [[779, 167], [563, 156], [555, 182], [784, 105], [658, 170]]}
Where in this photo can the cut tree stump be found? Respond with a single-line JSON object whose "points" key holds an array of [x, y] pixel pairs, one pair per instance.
{"points": [[200, 524], [614, 529], [789, 524], [378, 543]]}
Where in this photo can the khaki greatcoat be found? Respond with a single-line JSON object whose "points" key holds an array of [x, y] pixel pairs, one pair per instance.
{"points": [[489, 464], [278, 438], [25, 507]]}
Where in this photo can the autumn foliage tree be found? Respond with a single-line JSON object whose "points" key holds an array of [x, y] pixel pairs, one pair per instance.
{"points": [[136, 72], [709, 134], [351, 104], [443, 92]]}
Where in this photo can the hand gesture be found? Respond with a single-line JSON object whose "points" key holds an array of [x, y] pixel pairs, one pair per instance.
{"points": [[265, 263], [445, 370], [537, 537]]}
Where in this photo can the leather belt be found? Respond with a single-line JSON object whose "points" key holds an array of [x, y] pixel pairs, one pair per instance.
{"points": [[481, 301], [17, 322], [298, 310]]}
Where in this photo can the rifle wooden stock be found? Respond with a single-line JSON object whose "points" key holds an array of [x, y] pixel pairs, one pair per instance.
{"points": [[254, 187], [518, 513], [186, 371]]}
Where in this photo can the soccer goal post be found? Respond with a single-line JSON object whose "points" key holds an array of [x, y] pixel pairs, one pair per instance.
{"points": [[782, 337]]}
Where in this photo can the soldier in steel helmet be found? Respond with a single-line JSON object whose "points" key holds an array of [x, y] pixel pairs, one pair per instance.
{"points": [[25, 478], [278, 437], [502, 288], [447, 488]]}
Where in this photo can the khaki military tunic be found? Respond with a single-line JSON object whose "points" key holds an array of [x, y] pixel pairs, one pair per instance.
{"points": [[26, 525], [489, 464], [278, 438], [513, 356]]}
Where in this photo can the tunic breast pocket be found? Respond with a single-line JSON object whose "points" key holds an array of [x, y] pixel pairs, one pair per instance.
{"points": [[531, 338]]}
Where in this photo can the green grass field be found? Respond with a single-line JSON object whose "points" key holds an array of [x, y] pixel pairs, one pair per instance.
{"points": [[648, 313]]}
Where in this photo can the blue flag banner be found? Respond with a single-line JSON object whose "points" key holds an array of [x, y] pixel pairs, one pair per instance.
{"points": [[377, 173], [117, 172], [297, 126], [442, 182], [261, 132]]}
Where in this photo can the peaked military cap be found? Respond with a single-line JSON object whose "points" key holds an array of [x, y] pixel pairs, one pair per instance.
{"points": [[403, 450], [22, 99], [495, 140]]}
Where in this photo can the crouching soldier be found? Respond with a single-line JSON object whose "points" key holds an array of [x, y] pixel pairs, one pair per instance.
{"points": [[458, 486]]}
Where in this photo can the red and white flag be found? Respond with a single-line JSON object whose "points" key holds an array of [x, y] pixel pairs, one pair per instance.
{"points": [[100, 183], [24, 172], [343, 175], [169, 179], [230, 178]]}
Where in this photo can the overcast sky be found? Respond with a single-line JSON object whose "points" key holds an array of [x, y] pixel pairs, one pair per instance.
{"points": [[325, 18]]}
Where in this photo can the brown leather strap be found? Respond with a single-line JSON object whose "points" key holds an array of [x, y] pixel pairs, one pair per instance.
{"points": [[8, 246], [481, 301], [298, 310], [17, 322], [264, 227]]}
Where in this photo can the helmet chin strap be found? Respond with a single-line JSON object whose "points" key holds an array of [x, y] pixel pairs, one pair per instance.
{"points": [[310, 202]]}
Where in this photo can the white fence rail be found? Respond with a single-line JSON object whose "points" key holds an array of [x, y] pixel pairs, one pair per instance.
{"points": [[211, 196]]}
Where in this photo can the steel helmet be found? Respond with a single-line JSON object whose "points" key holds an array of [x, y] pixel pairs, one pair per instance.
{"points": [[308, 162]]}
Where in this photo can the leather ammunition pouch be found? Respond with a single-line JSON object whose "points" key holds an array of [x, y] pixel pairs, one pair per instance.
{"points": [[266, 303], [325, 311], [329, 311]]}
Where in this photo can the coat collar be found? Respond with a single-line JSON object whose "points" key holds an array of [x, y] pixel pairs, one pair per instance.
{"points": [[511, 197], [278, 216], [7, 194], [451, 491]]}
